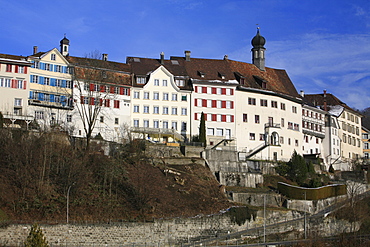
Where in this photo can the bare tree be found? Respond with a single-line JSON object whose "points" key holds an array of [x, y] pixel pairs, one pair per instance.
{"points": [[95, 86]]}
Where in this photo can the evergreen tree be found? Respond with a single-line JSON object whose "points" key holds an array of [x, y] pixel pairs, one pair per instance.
{"points": [[298, 168], [202, 130], [36, 238]]}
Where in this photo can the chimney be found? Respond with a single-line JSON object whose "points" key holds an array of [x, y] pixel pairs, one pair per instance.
{"points": [[302, 93], [105, 57], [35, 50], [226, 57], [325, 105], [187, 55], [162, 57]]}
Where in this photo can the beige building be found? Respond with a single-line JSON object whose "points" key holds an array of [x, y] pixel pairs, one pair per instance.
{"points": [[50, 99], [14, 90], [349, 126], [160, 107]]}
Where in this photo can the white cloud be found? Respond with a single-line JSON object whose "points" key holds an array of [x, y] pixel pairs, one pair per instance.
{"points": [[337, 63]]}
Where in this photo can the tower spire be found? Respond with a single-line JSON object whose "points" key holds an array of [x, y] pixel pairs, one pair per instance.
{"points": [[258, 50]]}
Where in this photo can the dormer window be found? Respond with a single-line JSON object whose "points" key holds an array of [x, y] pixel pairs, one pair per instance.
{"points": [[201, 74], [180, 82], [140, 80], [222, 76]]}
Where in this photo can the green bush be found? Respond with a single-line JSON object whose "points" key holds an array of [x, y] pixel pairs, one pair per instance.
{"points": [[36, 238]]}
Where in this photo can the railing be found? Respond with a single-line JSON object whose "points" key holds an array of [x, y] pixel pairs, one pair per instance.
{"points": [[158, 131]]}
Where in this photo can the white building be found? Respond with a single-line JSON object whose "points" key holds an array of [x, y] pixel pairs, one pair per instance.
{"points": [[14, 90]]}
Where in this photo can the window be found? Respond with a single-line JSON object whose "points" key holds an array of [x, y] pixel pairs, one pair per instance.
{"points": [[101, 119], [251, 101], [245, 117], [174, 111], [136, 108], [35, 79], [140, 80], [165, 124], [165, 110], [294, 109], [183, 98], [252, 136], [19, 84], [156, 96], [174, 97], [156, 110], [136, 95], [69, 84], [282, 122], [219, 132], [174, 125], [48, 66], [155, 124], [281, 140], [164, 83], [136, 123], [52, 57], [17, 102], [116, 103], [296, 143], [262, 137], [257, 119], [274, 104], [180, 82], [8, 68], [184, 111], [210, 131], [146, 123], [69, 118], [39, 115], [146, 95], [290, 125], [156, 82], [183, 126], [146, 109], [165, 96], [58, 83], [116, 90], [58, 68], [21, 69], [263, 102]]}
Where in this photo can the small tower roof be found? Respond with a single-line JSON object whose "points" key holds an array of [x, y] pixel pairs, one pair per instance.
{"points": [[258, 41], [64, 41]]}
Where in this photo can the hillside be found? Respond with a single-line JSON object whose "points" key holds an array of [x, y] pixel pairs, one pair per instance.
{"points": [[36, 171]]}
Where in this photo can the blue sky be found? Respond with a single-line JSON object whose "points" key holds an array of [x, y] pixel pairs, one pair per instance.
{"points": [[322, 44]]}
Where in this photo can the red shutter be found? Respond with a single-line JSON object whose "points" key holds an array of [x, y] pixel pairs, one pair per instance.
{"points": [[214, 103], [107, 103], [13, 83], [223, 118], [25, 69], [128, 91], [204, 90], [102, 88], [214, 117], [232, 104], [196, 116], [121, 90], [82, 99], [91, 87], [204, 102], [205, 117], [92, 101], [223, 91], [232, 118], [195, 102], [16, 69], [111, 89], [196, 89], [231, 91], [100, 102], [223, 104], [24, 84], [214, 90]]}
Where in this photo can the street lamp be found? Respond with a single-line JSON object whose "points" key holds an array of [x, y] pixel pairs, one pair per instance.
{"points": [[305, 217], [69, 188]]}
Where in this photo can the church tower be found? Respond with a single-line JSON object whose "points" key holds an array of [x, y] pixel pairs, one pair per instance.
{"points": [[64, 46], [258, 51]]}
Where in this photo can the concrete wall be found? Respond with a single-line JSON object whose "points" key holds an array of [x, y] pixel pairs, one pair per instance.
{"points": [[242, 179], [257, 199]]}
